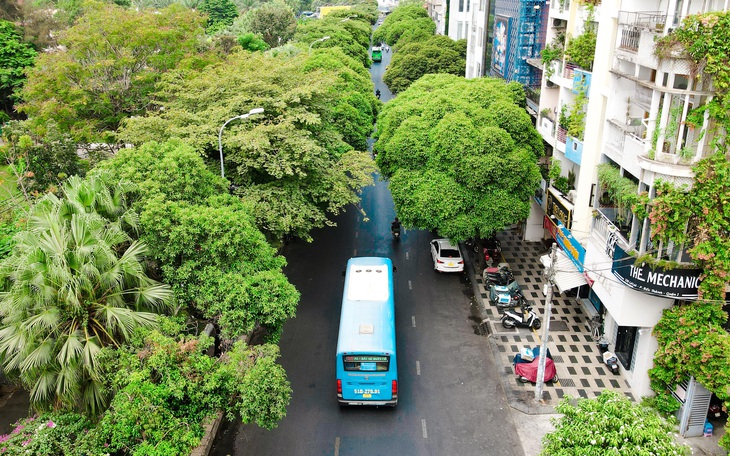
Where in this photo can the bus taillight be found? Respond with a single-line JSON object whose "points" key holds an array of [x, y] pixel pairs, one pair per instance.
{"points": [[394, 388], [339, 386]]}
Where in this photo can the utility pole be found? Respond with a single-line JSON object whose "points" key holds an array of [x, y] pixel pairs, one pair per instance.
{"points": [[549, 276]]}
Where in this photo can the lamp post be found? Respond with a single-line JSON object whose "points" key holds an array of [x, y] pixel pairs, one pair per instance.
{"points": [[324, 38], [348, 18], [220, 133]]}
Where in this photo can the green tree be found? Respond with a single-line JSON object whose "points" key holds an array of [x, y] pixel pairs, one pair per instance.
{"points": [[221, 13], [111, 61], [461, 155], [437, 54], [351, 35], [274, 22], [47, 159], [167, 387], [289, 162], [610, 425], [75, 283], [403, 19], [251, 42], [15, 57], [208, 247]]}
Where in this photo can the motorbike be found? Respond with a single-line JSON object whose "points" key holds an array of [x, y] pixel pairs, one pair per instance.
{"points": [[506, 295], [526, 364], [377, 94], [498, 275], [526, 318], [611, 361], [396, 233], [492, 249]]}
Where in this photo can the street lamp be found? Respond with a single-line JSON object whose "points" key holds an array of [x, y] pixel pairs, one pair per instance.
{"points": [[348, 18], [324, 38], [220, 133]]}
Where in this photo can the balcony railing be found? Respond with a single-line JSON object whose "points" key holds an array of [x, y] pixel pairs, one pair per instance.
{"points": [[604, 228], [562, 134], [653, 20]]}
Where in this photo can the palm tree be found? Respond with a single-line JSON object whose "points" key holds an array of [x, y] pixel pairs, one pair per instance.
{"points": [[74, 283]]}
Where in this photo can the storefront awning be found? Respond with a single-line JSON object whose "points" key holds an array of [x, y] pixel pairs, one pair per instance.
{"points": [[567, 276]]}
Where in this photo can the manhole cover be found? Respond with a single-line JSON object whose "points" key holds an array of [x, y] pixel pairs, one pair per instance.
{"points": [[558, 325]]}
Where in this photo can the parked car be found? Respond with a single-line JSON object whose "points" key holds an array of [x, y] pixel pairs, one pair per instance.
{"points": [[446, 256]]}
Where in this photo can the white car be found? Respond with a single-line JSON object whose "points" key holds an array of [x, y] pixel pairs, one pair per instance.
{"points": [[446, 256]]}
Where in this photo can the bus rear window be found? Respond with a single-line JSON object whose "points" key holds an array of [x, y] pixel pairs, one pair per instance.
{"points": [[366, 363]]}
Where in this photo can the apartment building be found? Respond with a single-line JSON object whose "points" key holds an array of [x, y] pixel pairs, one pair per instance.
{"points": [[459, 15], [437, 12], [621, 115]]}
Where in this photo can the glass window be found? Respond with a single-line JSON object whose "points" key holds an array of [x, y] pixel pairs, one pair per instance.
{"points": [[366, 363], [461, 6]]}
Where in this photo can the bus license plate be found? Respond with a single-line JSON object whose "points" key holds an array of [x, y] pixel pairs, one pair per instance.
{"points": [[367, 396]]}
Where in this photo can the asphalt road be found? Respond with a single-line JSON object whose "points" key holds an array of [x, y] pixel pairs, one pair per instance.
{"points": [[450, 398], [451, 401]]}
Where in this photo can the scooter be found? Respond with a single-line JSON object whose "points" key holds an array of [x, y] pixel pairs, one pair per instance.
{"points": [[611, 361], [492, 249], [499, 276], [506, 296], [396, 233], [526, 365], [526, 318]]}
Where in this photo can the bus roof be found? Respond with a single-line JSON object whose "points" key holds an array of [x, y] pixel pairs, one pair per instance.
{"points": [[367, 321]]}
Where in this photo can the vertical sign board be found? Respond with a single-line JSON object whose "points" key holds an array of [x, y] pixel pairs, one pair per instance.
{"points": [[500, 44], [572, 248], [671, 283]]}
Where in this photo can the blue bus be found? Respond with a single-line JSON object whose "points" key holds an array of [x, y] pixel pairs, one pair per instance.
{"points": [[367, 366]]}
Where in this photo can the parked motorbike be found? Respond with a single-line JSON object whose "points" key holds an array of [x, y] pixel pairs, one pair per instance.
{"points": [[526, 318], [492, 249], [396, 233], [498, 275], [506, 296], [526, 365], [611, 361]]}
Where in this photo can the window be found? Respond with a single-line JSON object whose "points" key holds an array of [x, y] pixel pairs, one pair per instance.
{"points": [[481, 37], [479, 70], [368, 363], [461, 6], [459, 29], [482, 5]]}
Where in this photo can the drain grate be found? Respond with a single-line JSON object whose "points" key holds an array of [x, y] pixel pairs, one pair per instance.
{"points": [[558, 325], [567, 382]]}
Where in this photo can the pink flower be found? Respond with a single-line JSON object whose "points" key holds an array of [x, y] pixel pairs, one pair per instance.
{"points": [[4, 438], [51, 424], [26, 442], [18, 429]]}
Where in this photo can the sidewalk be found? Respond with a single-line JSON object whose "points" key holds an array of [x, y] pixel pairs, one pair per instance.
{"points": [[580, 368]]}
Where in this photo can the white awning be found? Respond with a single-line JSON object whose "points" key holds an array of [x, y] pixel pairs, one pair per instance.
{"points": [[567, 275]]}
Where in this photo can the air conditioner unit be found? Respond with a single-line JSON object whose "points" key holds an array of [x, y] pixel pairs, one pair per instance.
{"points": [[549, 83], [560, 23]]}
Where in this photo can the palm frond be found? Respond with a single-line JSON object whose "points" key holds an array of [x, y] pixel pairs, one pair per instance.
{"points": [[42, 355], [46, 320], [70, 349], [44, 387]]}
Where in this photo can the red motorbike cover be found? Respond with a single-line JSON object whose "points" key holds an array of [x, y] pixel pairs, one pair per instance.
{"points": [[529, 370]]}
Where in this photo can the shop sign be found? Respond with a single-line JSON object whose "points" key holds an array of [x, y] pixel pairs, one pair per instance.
{"points": [[567, 242], [673, 283], [557, 208]]}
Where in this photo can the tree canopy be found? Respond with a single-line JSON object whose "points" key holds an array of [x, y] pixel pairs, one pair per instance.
{"points": [[15, 56], [436, 54], [274, 22], [610, 425], [408, 18], [461, 155], [290, 162], [205, 241], [110, 62], [75, 282]]}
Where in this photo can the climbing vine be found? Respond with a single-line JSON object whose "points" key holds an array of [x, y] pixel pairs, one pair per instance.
{"points": [[691, 338], [621, 190], [581, 49], [553, 52]]}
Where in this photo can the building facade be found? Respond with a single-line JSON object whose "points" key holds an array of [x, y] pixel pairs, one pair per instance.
{"points": [[620, 115]]}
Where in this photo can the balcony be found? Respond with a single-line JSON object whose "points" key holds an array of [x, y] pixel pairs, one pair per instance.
{"points": [[625, 144], [546, 127], [561, 139]]}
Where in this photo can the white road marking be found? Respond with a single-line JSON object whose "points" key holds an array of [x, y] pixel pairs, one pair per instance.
{"points": [[418, 368], [410, 285], [413, 320], [356, 234], [423, 427], [354, 253], [337, 446], [406, 255]]}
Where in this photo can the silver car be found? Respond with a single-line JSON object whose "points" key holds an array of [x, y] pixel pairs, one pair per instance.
{"points": [[446, 256]]}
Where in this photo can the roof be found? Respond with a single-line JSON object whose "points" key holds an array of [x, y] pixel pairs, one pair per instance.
{"points": [[367, 320]]}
